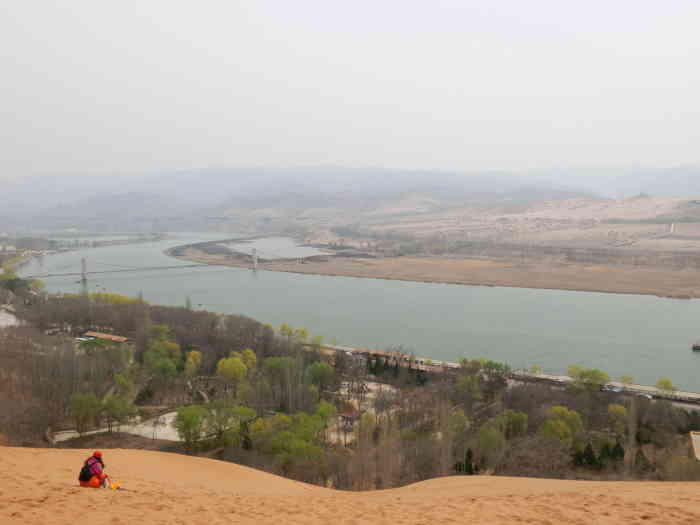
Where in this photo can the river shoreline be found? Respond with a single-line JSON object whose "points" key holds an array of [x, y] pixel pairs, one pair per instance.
{"points": [[623, 334], [614, 279]]}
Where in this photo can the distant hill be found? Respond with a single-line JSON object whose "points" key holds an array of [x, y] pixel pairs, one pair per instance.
{"points": [[182, 200], [681, 181]]}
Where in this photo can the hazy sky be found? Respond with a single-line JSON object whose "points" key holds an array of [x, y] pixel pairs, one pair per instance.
{"points": [[130, 86]]}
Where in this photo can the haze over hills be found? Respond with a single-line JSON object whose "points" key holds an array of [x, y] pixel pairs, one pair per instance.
{"points": [[185, 199], [678, 181], [192, 195]]}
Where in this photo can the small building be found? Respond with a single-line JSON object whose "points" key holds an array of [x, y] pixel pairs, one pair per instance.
{"points": [[106, 337]]}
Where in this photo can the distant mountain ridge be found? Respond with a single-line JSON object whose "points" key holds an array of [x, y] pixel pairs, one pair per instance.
{"points": [[186, 197], [679, 181], [190, 195]]}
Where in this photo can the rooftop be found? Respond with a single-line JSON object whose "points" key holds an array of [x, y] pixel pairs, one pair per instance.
{"points": [[109, 337]]}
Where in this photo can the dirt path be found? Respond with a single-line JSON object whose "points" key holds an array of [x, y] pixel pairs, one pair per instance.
{"points": [[160, 427], [7, 319]]}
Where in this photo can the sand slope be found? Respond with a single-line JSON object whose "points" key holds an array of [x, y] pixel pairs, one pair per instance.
{"points": [[174, 489]]}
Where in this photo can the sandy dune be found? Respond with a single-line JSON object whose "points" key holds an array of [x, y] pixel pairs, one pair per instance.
{"points": [[39, 487]]}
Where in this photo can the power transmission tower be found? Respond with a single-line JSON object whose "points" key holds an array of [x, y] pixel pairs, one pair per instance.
{"points": [[83, 277], [84, 290]]}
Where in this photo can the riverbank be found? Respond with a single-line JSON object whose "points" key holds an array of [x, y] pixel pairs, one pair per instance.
{"points": [[620, 279], [641, 336]]}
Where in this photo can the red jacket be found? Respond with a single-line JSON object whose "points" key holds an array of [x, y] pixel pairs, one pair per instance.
{"points": [[95, 466]]}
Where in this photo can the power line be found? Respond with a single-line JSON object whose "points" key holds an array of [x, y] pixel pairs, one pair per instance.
{"points": [[112, 264], [183, 274], [132, 269]]}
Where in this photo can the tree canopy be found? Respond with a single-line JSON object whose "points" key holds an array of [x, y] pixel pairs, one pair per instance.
{"points": [[588, 379]]}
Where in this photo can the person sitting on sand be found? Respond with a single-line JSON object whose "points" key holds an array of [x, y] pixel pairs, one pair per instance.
{"points": [[92, 474]]}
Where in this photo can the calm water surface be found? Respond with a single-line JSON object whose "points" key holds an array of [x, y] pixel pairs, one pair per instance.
{"points": [[274, 248], [642, 336]]}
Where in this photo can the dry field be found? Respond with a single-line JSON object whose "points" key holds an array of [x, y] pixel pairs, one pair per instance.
{"points": [[573, 221], [581, 277], [582, 224], [171, 489]]}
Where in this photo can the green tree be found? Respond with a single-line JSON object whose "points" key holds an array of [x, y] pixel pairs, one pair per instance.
{"points": [[189, 423], [162, 357], [117, 410], [605, 456], [248, 357], [124, 384], [665, 385], [562, 424], [495, 370], [379, 366], [627, 380], [618, 453], [321, 375], [512, 423], [588, 457], [468, 390], [159, 332], [85, 408], [15, 285], [492, 445], [286, 331], [193, 362], [279, 371], [587, 379], [326, 413], [222, 420], [219, 419], [469, 469], [8, 272], [618, 418], [371, 365], [557, 429], [292, 440], [301, 335], [262, 431], [233, 370], [239, 435]]}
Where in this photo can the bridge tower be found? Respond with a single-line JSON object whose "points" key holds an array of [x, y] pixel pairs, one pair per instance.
{"points": [[255, 259], [83, 276]]}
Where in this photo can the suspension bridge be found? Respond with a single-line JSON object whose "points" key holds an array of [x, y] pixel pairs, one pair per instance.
{"points": [[255, 255]]}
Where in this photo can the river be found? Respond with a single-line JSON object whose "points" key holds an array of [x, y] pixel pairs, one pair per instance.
{"points": [[642, 336]]}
